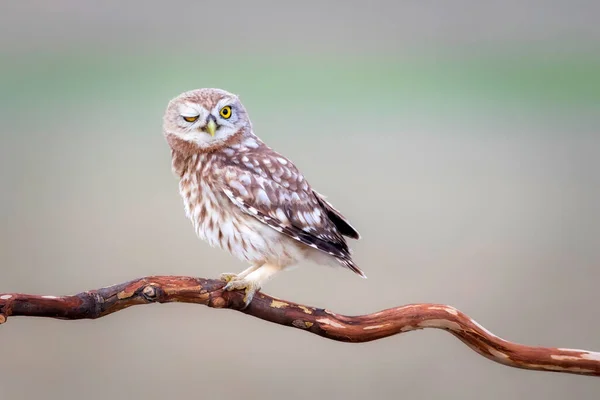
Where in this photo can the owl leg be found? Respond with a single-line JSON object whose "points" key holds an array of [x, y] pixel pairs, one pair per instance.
{"points": [[253, 282], [228, 276]]}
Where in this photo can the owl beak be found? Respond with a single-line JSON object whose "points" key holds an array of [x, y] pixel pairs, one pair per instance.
{"points": [[211, 127]]}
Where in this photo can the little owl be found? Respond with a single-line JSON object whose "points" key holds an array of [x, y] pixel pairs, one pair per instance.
{"points": [[246, 198]]}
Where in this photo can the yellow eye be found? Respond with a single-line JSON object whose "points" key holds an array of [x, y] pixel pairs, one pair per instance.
{"points": [[191, 119], [225, 112]]}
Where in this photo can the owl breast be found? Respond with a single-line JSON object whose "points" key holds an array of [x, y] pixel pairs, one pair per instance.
{"points": [[223, 224]]}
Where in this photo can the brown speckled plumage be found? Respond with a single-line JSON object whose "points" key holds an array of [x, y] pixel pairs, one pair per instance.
{"points": [[243, 196]]}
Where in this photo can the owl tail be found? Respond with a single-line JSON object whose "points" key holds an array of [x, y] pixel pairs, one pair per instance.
{"points": [[352, 267]]}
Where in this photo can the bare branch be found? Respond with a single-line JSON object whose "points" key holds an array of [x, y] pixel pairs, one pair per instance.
{"points": [[164, 289]]}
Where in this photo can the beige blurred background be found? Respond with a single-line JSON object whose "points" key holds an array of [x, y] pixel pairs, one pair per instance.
{"points": [[461, 138]]}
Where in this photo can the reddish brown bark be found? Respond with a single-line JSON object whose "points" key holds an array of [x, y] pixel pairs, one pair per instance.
{"points": [[164, 289]]}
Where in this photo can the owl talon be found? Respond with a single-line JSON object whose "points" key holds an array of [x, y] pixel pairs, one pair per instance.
{"points": [[227, 277], [250, 288]]}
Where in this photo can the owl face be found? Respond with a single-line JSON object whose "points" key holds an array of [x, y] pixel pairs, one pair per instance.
{"points": [[205, 118]]}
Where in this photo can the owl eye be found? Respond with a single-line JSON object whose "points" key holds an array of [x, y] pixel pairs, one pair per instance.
{"points": [[225, 112], [191, 119]]}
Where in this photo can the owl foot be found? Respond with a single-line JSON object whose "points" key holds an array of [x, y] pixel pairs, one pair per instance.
{"points": [[228, 277], [250, 288]]}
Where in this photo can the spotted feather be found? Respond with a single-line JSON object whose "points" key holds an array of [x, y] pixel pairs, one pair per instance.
{"points": [[337, 249], [288, 204]]}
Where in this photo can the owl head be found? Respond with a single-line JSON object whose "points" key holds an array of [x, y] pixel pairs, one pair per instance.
{"points": [[204, 119]]}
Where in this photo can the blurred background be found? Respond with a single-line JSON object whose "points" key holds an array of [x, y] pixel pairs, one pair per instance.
{"points": [[461, 138]]}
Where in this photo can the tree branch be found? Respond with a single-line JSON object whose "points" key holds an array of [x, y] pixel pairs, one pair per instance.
{"points": [[165, 289]]}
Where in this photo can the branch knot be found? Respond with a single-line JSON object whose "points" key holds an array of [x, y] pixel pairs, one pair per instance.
{"points": [[150, 293]]}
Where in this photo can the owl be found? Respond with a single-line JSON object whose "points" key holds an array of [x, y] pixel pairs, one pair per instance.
{"points": [[244, 197]]}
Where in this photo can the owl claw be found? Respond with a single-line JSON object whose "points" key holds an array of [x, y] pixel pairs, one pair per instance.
{"points": [[250, 288], [227, 277]]}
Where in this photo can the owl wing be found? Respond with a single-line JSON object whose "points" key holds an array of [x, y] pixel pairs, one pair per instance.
{"points": [[289, 206], [340, 222]]}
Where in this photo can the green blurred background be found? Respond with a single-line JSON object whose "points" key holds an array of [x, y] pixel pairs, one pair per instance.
{"points": [[461, 138]]}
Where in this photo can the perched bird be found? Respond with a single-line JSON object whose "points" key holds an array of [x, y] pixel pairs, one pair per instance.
{"points": [[246, 198]]}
